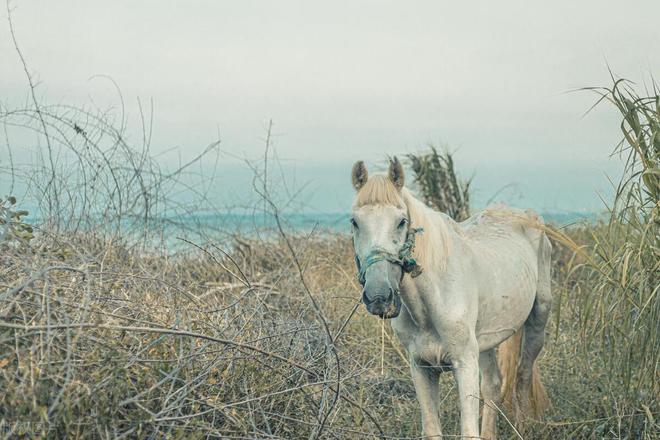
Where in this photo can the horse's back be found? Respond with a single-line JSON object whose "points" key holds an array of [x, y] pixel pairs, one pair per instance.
{"points": [[499, 223]]}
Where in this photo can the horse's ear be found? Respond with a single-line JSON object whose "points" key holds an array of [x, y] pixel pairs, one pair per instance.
{"points": [[359, 175], [396, 173]]}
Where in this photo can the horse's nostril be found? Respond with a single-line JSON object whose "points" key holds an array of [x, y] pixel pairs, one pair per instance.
{"points": [[365, 298], [376, 300]]}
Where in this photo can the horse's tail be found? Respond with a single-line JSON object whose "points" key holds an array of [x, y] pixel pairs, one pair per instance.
{"points": [[508, 358]]}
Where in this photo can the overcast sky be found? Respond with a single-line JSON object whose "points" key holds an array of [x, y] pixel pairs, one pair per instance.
{"points": [[349, 80]]}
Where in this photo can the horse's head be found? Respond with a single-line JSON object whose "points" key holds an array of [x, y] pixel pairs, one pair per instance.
{"points": [[381, 237]]}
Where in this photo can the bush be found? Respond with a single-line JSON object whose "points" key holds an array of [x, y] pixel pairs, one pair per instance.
{"points": [[439, 185]]}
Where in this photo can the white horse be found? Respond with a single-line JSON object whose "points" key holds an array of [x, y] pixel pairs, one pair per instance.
{"points": [[472, 286]]}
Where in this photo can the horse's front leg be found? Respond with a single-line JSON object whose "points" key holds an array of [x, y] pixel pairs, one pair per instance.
{"points": [[427, 388], [466, 371]]}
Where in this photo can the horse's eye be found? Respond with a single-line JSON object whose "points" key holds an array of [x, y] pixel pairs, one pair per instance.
{"points": [[354, 223], [402, 223]]}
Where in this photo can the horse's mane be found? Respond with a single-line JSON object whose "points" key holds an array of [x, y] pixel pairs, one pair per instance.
{"points": [[432, 247]]}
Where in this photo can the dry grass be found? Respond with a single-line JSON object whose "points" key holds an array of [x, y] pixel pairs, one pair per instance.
{"points": [[99, 340], [102, 341]]}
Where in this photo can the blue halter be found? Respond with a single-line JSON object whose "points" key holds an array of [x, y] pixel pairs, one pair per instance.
{"points": [[404, 259]]}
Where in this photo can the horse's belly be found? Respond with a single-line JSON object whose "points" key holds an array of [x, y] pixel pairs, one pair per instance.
{"points": [[497, 323], [506, 299]]}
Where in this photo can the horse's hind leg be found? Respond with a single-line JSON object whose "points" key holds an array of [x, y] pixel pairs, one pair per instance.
{"points": [[531, 395], [490, 393]]}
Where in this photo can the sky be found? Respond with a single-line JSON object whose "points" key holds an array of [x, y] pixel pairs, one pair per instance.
{"points": [[495, 82]]}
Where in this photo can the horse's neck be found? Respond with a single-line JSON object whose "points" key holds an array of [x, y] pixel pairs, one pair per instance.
{"points": [[445, 238]]}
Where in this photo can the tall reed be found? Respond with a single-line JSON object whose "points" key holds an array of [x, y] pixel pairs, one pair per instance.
{"points": [[622, 311]]}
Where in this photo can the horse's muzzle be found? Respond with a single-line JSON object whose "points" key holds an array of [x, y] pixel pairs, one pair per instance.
{"points": [[384, 305]]}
